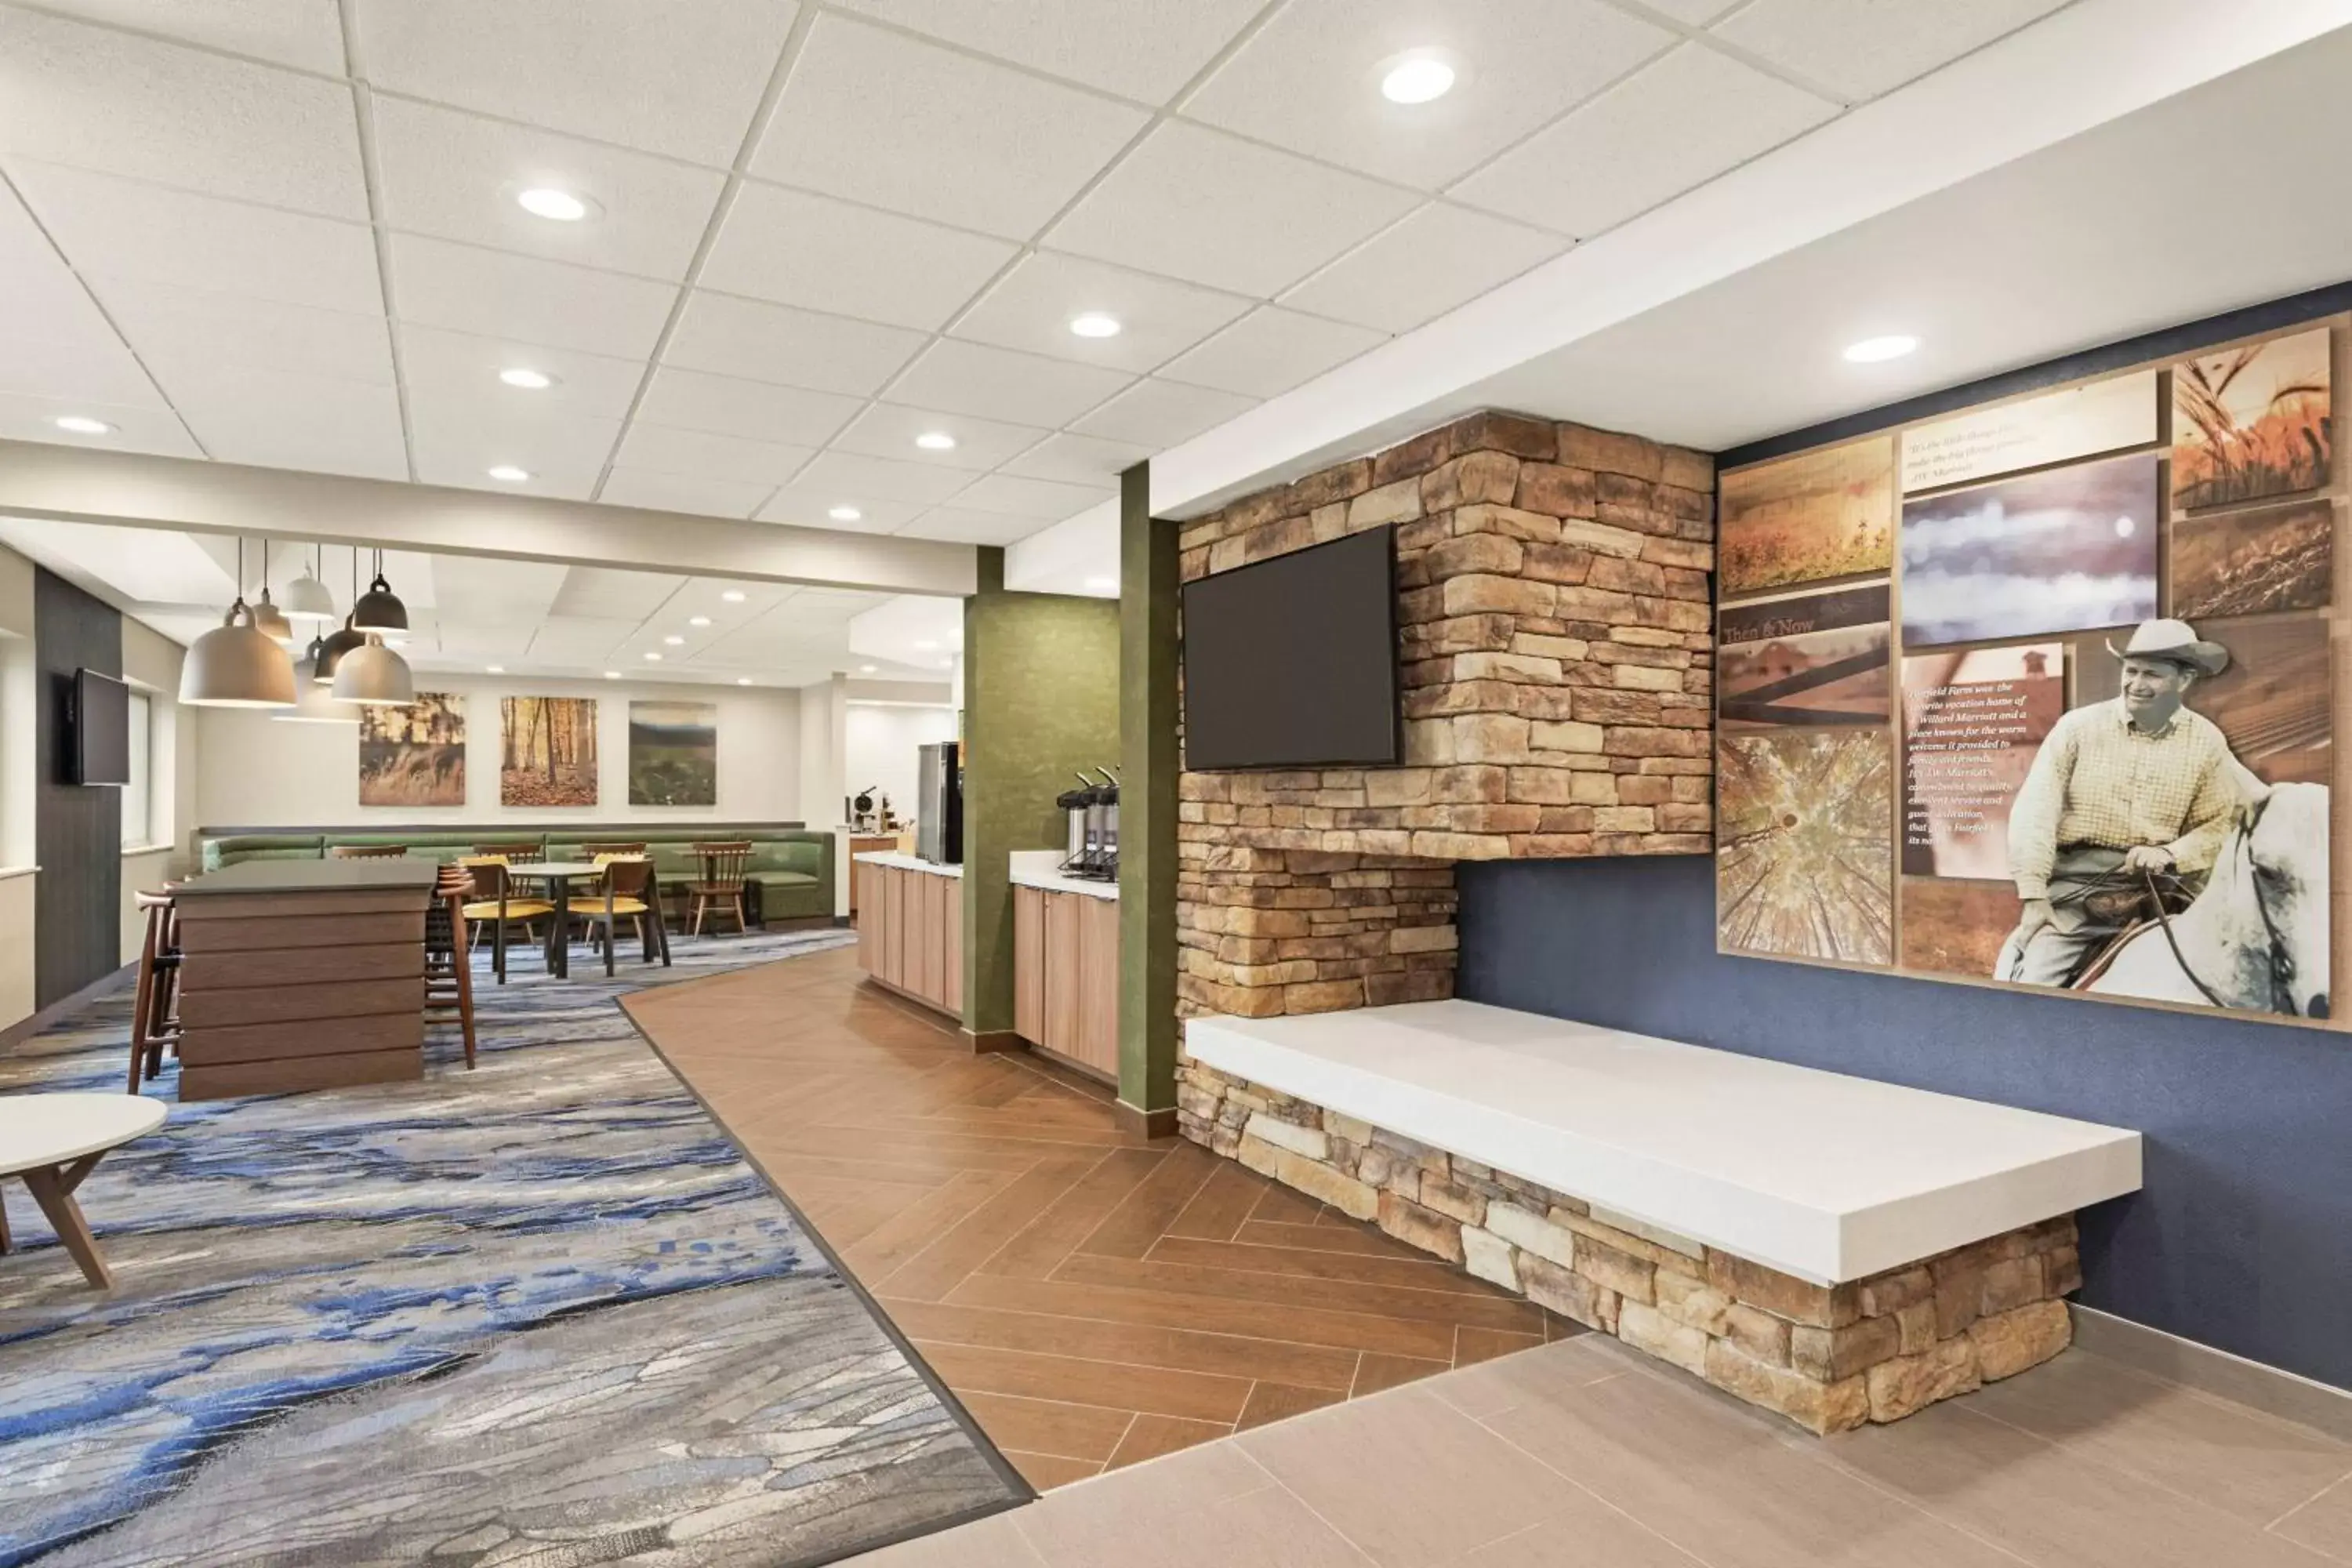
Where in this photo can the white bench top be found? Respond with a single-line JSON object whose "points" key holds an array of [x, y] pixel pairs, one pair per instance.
{"points": [[1825, 1177]]}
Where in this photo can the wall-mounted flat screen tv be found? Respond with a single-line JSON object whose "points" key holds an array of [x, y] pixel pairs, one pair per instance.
{"points": [[102, 729], [1292, 662]]}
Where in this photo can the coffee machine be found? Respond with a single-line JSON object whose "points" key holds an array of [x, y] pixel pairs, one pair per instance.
{"points": [[938, 811], [1092, 808]]}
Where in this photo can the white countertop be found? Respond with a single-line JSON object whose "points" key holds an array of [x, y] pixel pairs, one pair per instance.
{"points": [[907, 863], [1042, 869], [1820, 1175]]}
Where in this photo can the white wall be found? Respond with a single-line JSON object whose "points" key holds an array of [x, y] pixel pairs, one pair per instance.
{"points": [[151, 662], [881, 742], [253, 771], [19, 774]]}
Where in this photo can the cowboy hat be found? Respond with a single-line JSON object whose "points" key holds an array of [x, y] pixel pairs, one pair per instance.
{"points": [[2174, 640]]}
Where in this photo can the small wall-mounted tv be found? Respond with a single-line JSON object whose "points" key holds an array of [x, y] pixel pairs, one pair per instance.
{"points": [[101, 730], [1292, 662]]}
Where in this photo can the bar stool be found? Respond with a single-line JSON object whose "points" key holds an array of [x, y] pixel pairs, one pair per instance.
{"points": [[155, 1006], [448, 974]]}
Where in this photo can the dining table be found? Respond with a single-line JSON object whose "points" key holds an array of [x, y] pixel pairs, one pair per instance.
{"points": [[51, 1143]]}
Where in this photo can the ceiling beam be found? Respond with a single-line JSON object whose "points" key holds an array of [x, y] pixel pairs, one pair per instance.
{"points": [[74, 484]]}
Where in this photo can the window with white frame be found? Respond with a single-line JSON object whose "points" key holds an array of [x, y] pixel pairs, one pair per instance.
{"points": [[138, 825]]}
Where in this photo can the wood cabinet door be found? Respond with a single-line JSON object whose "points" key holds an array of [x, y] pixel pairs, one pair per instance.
{"points": [[927, 929], [951, 926], [1063, 967], [1029, 965], [1098, 984], [893, 911], [869, 949]]}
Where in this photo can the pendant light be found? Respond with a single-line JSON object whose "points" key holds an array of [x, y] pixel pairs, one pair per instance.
{"points": [[307, 598], [266, 619], [327, 653], [374, 676], [316, 704], [379, 609], [234, 664]]}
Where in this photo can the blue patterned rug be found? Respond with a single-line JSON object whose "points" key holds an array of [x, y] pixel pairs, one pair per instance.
{"points": [[540, 1314]]}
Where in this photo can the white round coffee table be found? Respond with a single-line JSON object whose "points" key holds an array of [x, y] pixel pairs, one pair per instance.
{"points": [[51, 1142]]}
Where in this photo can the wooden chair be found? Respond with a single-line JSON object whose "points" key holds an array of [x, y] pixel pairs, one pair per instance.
{"points": [[527, 852], [156, 1006], [600, 853], [720, 886], [448, 977], [626, 892], [495, 904], [366, 851]]}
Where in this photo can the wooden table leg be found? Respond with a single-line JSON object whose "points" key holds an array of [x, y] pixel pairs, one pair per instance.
{"points": [[563, 933], [53, 1188], [3, 1218]]}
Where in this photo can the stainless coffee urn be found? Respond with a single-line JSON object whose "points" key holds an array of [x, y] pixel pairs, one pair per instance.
{"points": [[1092, 809]]}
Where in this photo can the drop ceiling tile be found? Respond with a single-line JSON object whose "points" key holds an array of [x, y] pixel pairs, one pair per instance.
{"points": [[573, 639], [495, 294], [1158, 414], [101, 99], [456, 176], [1047, 501], [1310, 79], [39, 295], [277, 420], [809, 504], [1864, 47], [699, 453], [683, 492], [972, 378], [888, 430], [609, 594], [727, 406], [1438, 257], [1032, 306], [809, 250], [457, 443], [92, 369], [1671, 126], [883, 118], [1209, 208], [1141, 49], [177, 330], [1077, 460], [152, 428], [109, 225], [759, 342], [460, 370], [863, 481], [958, 525], [1270, 350], [306, 33]]}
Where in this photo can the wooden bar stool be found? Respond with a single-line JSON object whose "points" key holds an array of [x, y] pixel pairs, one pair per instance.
{"points": [[449, 977], [721, 884], [156, 1006]]}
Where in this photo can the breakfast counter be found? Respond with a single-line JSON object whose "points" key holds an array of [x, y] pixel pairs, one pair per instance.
{"points": [[910, 926], [1066, 963]]}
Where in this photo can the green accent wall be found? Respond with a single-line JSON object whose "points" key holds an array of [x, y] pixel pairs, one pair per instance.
{"points": [[1146, 803], [1041, 675]]}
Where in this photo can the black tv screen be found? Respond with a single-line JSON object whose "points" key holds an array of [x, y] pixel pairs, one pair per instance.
{"points": [[1293, 662], [101, 730]]}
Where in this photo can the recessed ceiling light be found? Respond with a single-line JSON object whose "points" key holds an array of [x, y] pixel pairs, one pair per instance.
{"points": [[698, 620], [1102, 584], [733, 596], [612, 675], [844, 514], [926, 645], [1095, 324], [508, 473], [82, 424], [675, 640], [1872, 351], [742, 680], [936, 441], [528, 379], [494, 670], [866, 668], [652, 657], [1417, 80], [547, 202]]}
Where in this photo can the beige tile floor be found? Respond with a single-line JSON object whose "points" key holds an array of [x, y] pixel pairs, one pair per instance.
{"points": [[1584, 1454]]}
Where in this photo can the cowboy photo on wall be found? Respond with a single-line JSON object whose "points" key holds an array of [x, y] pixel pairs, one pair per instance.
{"points": [[2150, 861]]}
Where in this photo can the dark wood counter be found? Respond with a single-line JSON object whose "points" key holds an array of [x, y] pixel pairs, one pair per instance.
{"points": [[300, 974]]}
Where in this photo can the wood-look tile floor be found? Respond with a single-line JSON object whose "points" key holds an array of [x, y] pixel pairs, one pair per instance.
{"points": [[1092, 1299]]}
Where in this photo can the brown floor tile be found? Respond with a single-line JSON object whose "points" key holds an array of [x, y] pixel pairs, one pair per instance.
{"points": [[1181, 1349], [1472, 1346], [937, 1269], [1375, 1372], [1197, 1396], [1155, 1436], [1220, 1206], [1077, 1214], [1271, 1402], [1086, 1432], [1132, 1228], [1418, 1271], [1275, 1321], [1351, 1237], [1279, 1206], [1437, 1307], [1045, 1472]]}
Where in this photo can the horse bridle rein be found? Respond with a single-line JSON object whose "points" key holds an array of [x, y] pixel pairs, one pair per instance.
{"points": [[2282, 963]]}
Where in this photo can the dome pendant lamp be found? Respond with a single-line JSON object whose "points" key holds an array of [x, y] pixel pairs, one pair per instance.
{"points": [[379, 609], [235, 665], [307, 598], [375, 677], [328, 652], [266, 619]]}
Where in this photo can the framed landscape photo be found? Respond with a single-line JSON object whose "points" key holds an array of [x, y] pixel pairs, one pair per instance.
{"points": [[548, 751], [1808, 518], [673, 754], [2254, 421]]}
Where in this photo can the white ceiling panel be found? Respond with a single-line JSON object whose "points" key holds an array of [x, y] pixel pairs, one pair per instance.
{"points": [[1435, 260], [109, 225], [759, 410], [95, 368], [1141, 48], [275, 419], [1027, 388], [801, 249], [1270, 350], [154, 429], [1158, 414], [487, 588], [1864, 47], [39, 295], [306, 33], [97, 98], [683, 492], [603, 592], [181, 329], [888, 430], [457, 175], [1078, 460], [860, 481], [1309, 80], [461, 370], [809, 505], [494, 294], [580, 640], [1696, 13], [761, 341], [1046, 500], [1032, 306], [698, 452], [562, 451], [678, 77], [962, 525], [1673, 124], [880, 117], [1216, 210]]}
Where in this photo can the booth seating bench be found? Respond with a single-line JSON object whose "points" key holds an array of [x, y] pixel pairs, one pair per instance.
{"points": [[1836, 1250]]}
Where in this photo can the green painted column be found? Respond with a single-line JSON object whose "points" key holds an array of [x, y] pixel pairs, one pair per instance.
{"points": [[1040, 702], [1147, 810]]}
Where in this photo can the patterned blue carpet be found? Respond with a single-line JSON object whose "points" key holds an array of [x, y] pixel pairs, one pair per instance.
{"points": [[537, 1314]]}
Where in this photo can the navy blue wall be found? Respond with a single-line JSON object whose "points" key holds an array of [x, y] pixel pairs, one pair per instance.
{"points": [[2242, 1235]]}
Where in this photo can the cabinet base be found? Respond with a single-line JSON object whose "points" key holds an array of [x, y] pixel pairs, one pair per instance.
{"points": [[992, 1042], [925, 1002]]}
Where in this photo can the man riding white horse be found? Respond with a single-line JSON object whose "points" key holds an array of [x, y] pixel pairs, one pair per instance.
{"points": [[2123, 792]]}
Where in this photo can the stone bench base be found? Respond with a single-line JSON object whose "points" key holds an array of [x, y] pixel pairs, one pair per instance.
{"points": [[1827, 1357]]}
